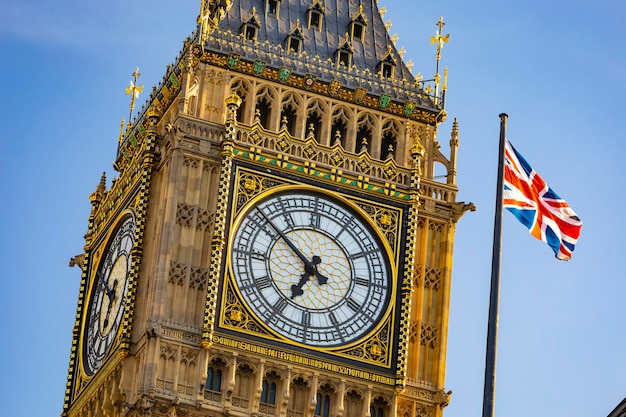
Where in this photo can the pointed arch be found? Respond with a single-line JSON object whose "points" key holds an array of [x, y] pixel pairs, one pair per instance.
{"points": [[265, 106], [342, 121], [242, 88]]}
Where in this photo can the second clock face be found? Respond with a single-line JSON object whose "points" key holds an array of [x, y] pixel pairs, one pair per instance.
{"points": [[311, 268], [108, 297]]}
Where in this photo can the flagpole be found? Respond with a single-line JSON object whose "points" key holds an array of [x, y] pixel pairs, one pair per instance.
{"points": [[494, 295]]}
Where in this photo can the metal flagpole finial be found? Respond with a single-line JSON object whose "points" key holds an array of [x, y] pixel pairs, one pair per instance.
{"points": [[134, 90]]}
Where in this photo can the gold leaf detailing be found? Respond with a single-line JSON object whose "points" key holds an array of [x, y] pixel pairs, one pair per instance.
{"points": [[310, 152]]}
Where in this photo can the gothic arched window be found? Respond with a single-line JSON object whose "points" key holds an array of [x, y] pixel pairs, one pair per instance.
{"points": [[213, 383], [339, 128], [323, 401], [298, 393], [365, 131], [241, 88], [379, 408], [352, 404], [389, 141]]}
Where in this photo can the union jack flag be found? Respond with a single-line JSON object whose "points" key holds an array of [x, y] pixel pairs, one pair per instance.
{"points": [[537, 206]]}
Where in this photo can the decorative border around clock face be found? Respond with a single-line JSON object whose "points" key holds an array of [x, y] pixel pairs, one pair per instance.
{"points": [[240, 321], [107, 295]]}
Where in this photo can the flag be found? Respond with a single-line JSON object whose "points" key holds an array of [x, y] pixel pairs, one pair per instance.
{"points": [[536, 206]]}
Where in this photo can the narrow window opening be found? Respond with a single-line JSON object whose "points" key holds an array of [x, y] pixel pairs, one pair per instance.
{"points": [[387, 70], [315, 20], [363, 138], [294, 44], [358, 31], [388, 146], [250, 33], [344, 58], [272, 7], [263, 109], [314, 124], [288, 118], [338, 132], [322, 408]]}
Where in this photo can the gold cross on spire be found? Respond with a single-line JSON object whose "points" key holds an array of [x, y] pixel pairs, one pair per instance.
{"points": [[134, 90], [439, 38]]}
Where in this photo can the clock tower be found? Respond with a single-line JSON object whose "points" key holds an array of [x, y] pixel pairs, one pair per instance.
{"points": [[276, 242]]}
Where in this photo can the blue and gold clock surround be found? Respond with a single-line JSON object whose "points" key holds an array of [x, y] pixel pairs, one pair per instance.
{"points": [[313, 270]]}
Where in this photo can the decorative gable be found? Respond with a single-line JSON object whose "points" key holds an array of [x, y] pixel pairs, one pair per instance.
{"points": [[343, 55], [386, 67], [358, 24], [250, 27], [295, 38]]}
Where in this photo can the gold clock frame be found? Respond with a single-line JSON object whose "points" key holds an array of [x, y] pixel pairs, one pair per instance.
{"points": [[100, 247], [377, 356]]}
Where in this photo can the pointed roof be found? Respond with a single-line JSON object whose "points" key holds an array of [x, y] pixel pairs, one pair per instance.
{"points": [[318, 46]]}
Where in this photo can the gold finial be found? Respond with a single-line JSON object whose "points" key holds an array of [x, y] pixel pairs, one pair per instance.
{"points": [[134, 90], [388, 25], [382, 11], [203, 22], [439, 39], [102, 185], [394, 38], [121, 131], [410, 64]]}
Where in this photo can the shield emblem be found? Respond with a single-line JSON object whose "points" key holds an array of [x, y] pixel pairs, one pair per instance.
{"points": [[334, 87], [384, 101], [197, 50], [258, 67], [233, 60], [283, 74], [174, 80], [309, 80], [409, 108], [359, 94]]}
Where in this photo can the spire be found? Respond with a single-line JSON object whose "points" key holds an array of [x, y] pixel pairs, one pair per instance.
{"points": [[454, 148], [439, 39], [133, 90]]}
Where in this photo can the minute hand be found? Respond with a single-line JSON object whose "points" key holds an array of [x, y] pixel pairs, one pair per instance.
{"points": [[309, 266]]}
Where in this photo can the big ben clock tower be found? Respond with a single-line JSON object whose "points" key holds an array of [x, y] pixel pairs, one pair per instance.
{"points": [[275, 242]]}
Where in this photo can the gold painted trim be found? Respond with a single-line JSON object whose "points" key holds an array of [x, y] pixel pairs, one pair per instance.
{"points": [[378, 347], [94, 265]]}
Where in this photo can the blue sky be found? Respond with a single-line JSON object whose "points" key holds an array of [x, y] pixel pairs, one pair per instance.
{"points": [[557, 68]]}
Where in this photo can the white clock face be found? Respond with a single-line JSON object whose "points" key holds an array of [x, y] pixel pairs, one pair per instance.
{"points": [[311, 268], [108, 298]]}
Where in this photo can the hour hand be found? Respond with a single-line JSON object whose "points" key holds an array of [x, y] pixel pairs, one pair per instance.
{"points": [[296, 289], [321, 279], [110, 292]]}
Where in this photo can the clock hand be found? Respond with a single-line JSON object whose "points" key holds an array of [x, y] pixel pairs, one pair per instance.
{"points": [[109, 307], [296, 289], [309, 266], [110, 292]]}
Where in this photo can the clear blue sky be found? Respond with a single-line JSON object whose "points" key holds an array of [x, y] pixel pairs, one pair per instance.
{"points": [[558, 68]]}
